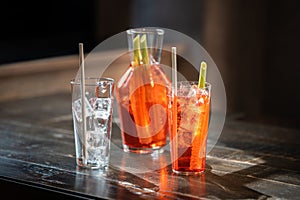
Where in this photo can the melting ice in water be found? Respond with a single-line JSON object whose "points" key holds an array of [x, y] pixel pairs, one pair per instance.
{"points": [[98, 136], [76, 106], [98, 112], [97, 147]]}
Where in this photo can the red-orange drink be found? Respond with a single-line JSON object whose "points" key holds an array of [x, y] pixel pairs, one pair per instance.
{"points": [[143, 105], [189, 117], [142, 93]]}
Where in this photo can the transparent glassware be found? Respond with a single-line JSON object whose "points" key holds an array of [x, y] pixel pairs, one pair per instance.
{"points": [[189, 121], [92, 140], [141, 93]]}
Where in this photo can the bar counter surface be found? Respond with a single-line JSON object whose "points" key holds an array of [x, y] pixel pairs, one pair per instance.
{"points": [[37, 159]]}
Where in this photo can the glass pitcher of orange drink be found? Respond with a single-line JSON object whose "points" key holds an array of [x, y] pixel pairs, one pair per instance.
{"points": [[141, 93]]}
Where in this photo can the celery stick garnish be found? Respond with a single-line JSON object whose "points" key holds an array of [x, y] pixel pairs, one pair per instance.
{"points": [[137, 57], [144, 50], [202, 75]]}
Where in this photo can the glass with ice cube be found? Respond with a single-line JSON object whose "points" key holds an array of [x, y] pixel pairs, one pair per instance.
{"points": [[188, 122], [93, 145]]}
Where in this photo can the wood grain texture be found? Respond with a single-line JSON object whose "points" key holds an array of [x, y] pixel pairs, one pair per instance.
{"points": [[250, 161]]}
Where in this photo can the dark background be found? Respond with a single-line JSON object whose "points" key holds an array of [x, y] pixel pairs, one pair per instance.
{"points": [[255, 43]]}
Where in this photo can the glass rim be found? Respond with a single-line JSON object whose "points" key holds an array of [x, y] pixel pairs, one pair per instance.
{"points": [[159, 31], [207, 84], [100, 79]]}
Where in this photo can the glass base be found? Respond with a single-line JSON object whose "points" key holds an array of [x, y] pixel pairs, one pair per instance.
{"points": [[143, 150], [88, 165], [188, 173]]}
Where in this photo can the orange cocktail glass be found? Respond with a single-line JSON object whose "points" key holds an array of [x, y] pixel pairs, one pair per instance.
{"points": [[189, 119]]}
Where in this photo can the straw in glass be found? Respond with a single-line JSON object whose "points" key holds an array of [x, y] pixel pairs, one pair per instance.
{"points": [[174, 70], [82, 84]]}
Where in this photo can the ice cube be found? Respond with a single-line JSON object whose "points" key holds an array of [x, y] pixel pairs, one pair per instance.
{"points": [[101, 123], [189, 120], [184, 138], [77, 109], [102, 104], [189, 114], [102, 108], [203, 97], [102, 89], [90, 125], [94, 138], [193, 91], [97, 145]]}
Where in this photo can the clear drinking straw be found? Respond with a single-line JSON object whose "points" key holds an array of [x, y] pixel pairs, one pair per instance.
{"points": [[82, 79], [174, 71]]}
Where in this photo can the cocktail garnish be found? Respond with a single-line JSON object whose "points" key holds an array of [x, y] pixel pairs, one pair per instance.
{"points": [[144, 50], [202, 75], [137, 56]]}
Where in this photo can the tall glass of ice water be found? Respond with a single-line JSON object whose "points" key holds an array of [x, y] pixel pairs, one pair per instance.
{"points": [[92, 140]]}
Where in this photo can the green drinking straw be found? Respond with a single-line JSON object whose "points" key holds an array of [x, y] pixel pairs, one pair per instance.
{"points": [[202, 75], [144, 50]]}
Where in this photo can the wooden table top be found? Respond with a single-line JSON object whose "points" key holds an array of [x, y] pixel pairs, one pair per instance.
{"points": [[37, 155]]}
